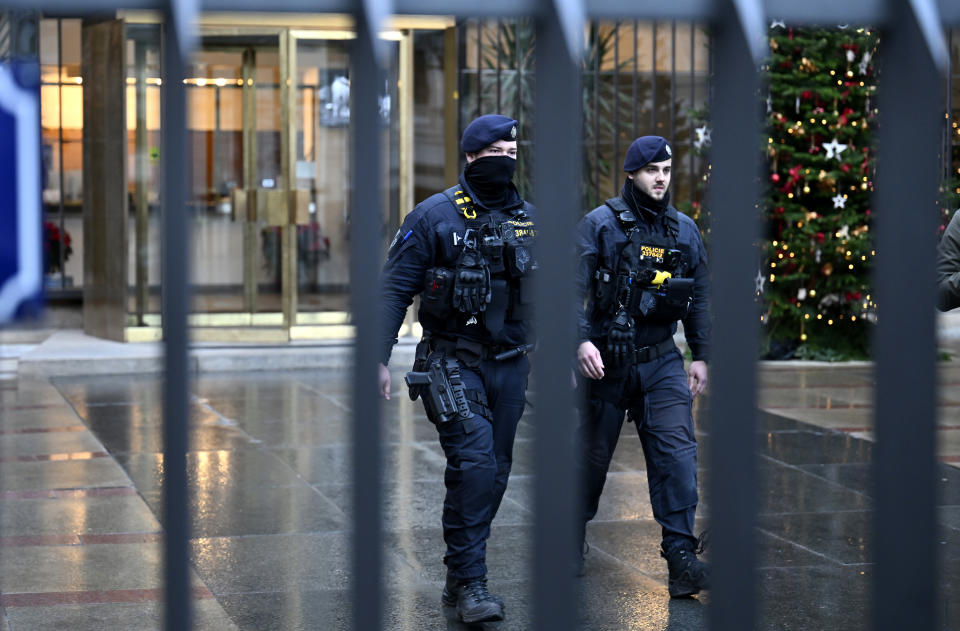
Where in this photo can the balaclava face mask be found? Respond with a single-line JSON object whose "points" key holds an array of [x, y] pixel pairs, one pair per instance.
{"points": [[489, 176]]}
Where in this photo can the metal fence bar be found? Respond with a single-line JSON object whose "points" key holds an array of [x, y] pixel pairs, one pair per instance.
{"points": [[905, 585], [178, 606], [595, 29], [479, 111], [558, 101], [653, 77], [732, 419], [615, 99], [810, 11], [461, 29], [693, 100], [366, 72], [61, 177], [633, 85], [499, 64], [518, 25], [673, 83]]}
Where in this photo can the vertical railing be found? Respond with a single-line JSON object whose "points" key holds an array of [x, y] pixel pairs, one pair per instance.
{"points": [[557, 169], [176, 302], [732, 418], [367, 68], [904, 461], [691, 160]]}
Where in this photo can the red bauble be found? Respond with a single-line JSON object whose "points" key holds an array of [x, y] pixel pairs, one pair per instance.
{"points": [[775, 177]]}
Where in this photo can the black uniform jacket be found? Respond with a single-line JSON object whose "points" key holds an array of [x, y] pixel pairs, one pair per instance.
{"points": [[600, 237], [432, 236]]}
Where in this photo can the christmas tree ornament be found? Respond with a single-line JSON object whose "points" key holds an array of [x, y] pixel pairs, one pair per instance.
{"points": [[759, 281], [834, 149], [839, 201], [703, 136]]}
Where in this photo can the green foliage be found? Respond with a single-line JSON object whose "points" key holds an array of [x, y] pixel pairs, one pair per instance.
{"points": [[818, 252]]}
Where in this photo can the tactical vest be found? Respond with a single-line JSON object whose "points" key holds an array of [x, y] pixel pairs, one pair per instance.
{"points": [[505, 240], [647, 280]]}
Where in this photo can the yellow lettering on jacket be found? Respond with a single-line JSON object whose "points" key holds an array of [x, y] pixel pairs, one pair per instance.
{"points": [[649, 250]]}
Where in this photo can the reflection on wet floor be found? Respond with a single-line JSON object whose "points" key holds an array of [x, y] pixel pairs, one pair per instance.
{"points": [[270, 475]]}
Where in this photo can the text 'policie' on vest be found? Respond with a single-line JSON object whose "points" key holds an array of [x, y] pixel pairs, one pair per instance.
{"points": [[647, 280]]}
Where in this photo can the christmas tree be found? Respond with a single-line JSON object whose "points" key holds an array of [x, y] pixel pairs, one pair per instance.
{"points": [[814, 276]]}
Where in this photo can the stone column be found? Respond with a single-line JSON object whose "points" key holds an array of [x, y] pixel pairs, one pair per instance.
{"points": [[105, 194]]}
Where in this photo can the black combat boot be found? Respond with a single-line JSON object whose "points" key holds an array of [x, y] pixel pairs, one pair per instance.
{"points": [[472, 600], [688, 574], [450, 592]]}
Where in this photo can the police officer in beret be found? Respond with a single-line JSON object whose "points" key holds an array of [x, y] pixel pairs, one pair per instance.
{"points": [[642, 268], [468, 253]]}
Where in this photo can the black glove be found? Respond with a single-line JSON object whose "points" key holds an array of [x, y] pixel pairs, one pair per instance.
{"points": [[620, 341], [471, 287]]}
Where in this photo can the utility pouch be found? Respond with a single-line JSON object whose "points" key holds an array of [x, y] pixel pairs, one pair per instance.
{"points": [[605, 286], [437, 296], [678, 291], [491, 246], [670, 303], [419, 365], [519, 260]]}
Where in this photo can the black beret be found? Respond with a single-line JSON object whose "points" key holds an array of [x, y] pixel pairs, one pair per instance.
{"points": [[644, 150], [486, 130]]}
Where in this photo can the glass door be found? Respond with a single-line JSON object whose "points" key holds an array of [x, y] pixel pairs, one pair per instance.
{"points": [[268, 132], [321, 169], [234, 113]]}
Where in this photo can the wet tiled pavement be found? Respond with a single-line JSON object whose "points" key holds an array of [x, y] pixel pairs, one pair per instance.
{"points": [[270, 476]]}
